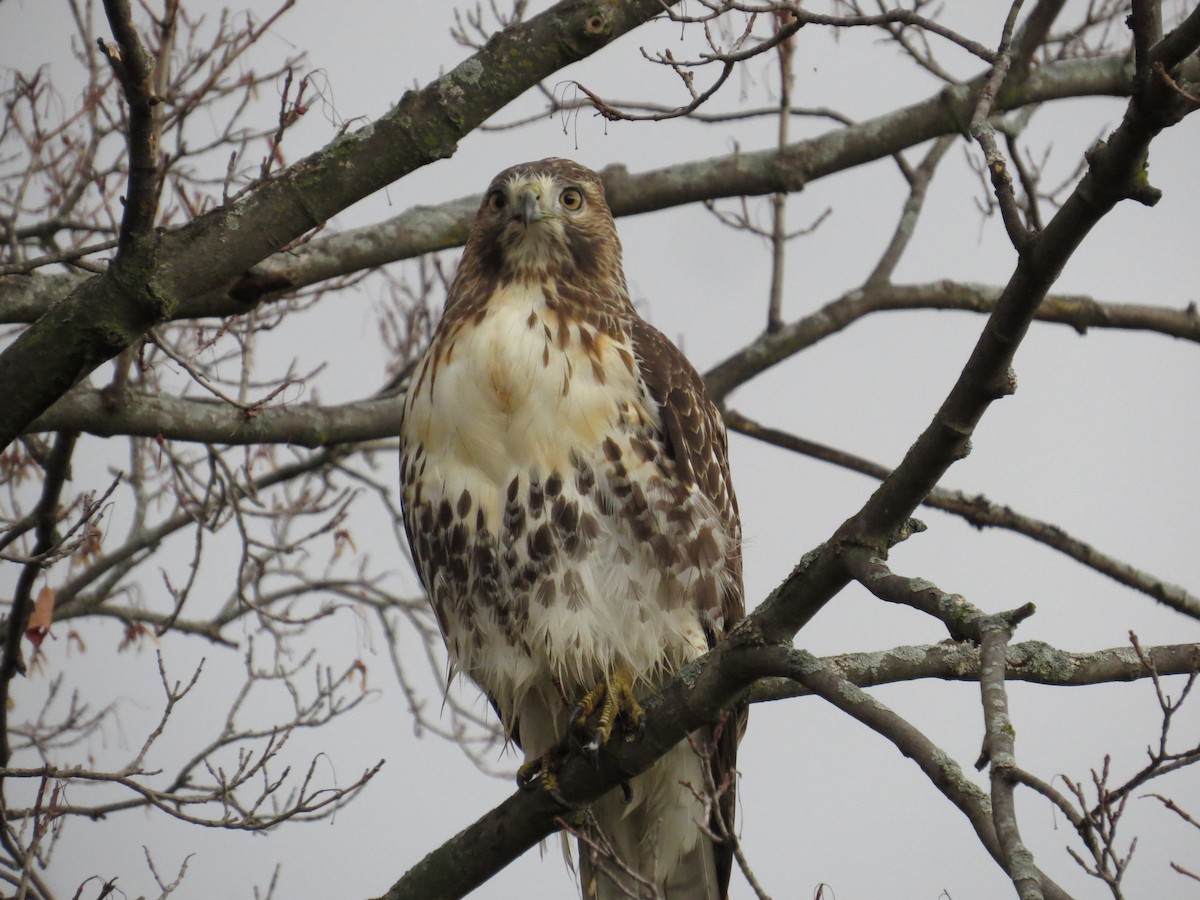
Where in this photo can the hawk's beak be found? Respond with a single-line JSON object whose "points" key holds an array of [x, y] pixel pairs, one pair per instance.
{"points": [[530, 207]]}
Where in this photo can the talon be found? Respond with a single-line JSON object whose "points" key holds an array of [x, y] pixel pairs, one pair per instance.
{"points": [[587, 706], [633, 718], [544, 771], [639, 726], [600, 709], [529, 772]]}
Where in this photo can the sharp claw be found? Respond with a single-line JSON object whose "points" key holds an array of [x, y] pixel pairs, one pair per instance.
{"points": [[610, 706], [529, 773], [626, 793], [581, 738], [544, 771], [639, 726], [560, 799]]}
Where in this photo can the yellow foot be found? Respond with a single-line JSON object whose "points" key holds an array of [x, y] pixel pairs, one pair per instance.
{"points": [[597, 713], [543, 770], [590, 727]]}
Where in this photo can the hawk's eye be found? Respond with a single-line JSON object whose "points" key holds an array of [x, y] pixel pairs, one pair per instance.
{"points": [[571, 199], [497, 200]]}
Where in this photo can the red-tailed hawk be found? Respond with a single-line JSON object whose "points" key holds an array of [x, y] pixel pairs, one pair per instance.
{"points": [[567, 498]]}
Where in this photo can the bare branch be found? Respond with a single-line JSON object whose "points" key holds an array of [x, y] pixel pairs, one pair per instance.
{"points": [[424, 229], [918, 185], [1145, 21], [983, 513], [134, 69], [981, 130], [218, 422], [1035, 662], [46, 517], [938, 766], [999, 750]]}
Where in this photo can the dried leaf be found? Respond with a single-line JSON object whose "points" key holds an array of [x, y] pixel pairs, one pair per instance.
{"points": [[134, 633], [89, 546], [342, 540], [42, 618], [359, 668]]}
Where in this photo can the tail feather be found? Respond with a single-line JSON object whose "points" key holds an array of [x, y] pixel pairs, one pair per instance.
{"points": [[653, 847]]}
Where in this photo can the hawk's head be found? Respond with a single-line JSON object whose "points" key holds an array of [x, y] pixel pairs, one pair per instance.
{"points": [[544, 219]]}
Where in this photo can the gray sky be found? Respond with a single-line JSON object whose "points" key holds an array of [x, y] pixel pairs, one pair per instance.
{"points": [[1100, 438]]}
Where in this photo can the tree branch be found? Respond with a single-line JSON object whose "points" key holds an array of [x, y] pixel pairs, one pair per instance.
{"points": [[426, 229], [12, 663], [1078, 311], [134, 69], [467, 860], [1179, 44], [215, 422], [740, 174], [999, 751], [73, 599], [919, 180], [981, 129], [186, 419], [1031, 35], [1145, 21], [1034, 662], [983, 513], [938, 766]]}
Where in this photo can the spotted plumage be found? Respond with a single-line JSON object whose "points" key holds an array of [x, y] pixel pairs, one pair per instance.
{"points": [[567, 498]]}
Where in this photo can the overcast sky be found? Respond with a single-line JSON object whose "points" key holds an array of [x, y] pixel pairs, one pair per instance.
{"points": [[1101, 438]]}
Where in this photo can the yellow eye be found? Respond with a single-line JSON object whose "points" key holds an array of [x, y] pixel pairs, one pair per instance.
{"points": [[571, 199], [497, 200]]}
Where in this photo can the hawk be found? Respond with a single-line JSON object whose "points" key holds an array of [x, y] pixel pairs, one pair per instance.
{"points": [[567, 498]]}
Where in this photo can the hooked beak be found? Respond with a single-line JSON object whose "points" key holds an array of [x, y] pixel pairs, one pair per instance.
{"points": [[530, 208]]}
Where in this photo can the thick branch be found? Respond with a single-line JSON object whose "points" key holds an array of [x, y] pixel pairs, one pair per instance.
{"points": [[693, 698], [938, 766], [1145, 21], [1035, 662], [999, 752], [465, 861], [1179, 43], [428, 229], [214, 422], [962, 618], [134, 69], [457, 865], [741, 174], [1031, 34], [983, 513], [178, 418], [1076, 310]]}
